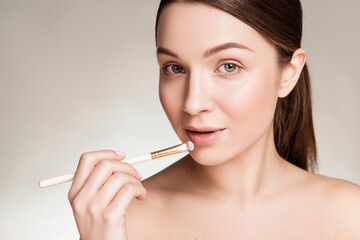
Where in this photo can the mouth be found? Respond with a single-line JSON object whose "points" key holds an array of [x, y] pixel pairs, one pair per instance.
{"points": [[204, 136]]}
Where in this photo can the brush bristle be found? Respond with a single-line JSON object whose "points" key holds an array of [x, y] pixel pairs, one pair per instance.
{"points": [[189, 146]]}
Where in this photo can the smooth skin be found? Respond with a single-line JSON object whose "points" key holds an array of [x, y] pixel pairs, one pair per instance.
{"points": [[235, 188]]}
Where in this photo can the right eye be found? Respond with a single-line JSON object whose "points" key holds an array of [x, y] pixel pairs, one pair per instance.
{"points": [[173, 69]]}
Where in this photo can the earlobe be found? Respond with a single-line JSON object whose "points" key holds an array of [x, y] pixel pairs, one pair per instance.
{"points": [[291, 73]]}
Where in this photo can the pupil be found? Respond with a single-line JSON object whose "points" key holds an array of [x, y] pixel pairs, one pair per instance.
{"points": [[230, 67], [176, 68]]}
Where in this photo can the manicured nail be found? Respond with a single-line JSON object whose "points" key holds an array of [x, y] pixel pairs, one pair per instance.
{"points": [[139, 173], [120, 153]]}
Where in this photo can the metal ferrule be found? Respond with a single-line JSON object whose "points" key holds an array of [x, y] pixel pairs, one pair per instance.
{"points": [[169, 151]]}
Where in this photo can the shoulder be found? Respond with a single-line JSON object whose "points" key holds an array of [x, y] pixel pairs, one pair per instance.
{"points": [[341, 201], [330, 188], [333, 204], [339, 190]]}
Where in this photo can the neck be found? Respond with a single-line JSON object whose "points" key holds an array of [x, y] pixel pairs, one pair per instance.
{"points": [[254, 174]]}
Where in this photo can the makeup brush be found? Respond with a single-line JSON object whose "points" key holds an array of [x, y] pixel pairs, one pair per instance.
{"points": [[181, 148]]}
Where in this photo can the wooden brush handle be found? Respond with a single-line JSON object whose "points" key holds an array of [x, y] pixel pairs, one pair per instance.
{"points": [[69, 177]]}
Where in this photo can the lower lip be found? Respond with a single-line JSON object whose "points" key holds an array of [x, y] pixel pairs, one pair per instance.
{"points": [[203, 139]]}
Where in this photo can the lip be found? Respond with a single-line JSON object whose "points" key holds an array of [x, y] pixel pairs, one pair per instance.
{"points": [[203, 139]]}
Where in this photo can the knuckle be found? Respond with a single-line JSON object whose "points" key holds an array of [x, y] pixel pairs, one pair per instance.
{"points": [[86, 158], [77, 206], [114, 217], [93, 209], [104, 165], [121, 177], [70, 197], [129, 188]]}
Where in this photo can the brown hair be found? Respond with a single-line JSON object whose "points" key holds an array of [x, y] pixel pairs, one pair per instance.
{"points": [[280, 22]]}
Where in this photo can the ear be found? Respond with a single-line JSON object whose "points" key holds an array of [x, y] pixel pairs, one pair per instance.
{"points": [[291, 72]]}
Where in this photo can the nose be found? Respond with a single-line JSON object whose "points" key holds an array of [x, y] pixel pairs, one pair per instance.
{"points": [[198, 97]]}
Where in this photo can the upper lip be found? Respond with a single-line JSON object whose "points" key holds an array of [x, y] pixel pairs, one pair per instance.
{"points": [[203, 129]]}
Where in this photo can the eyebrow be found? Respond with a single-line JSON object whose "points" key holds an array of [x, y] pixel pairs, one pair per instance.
{"points": [[210, 51]]}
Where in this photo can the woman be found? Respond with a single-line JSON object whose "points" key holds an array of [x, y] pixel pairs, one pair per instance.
{"points": [[233, 80]]}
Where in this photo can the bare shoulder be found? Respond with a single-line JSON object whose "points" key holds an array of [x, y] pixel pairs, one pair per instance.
{"points": [[327, 187], [341, 200], [340, 190], [334, 203]]}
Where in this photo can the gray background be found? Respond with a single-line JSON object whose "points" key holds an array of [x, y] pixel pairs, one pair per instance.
{"points": [[78, 76]]}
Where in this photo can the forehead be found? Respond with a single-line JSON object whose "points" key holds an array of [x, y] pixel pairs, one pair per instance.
{"points": [[199, 26]]}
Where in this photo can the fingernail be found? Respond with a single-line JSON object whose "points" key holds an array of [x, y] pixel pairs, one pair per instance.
{"points": [[145, 191], [139, 173], [120, 153]]}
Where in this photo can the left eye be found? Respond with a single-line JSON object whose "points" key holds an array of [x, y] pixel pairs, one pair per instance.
{"points": [[228, 67]]}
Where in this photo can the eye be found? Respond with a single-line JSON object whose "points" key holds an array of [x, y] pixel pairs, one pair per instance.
{"points": [[173, 69], [228, 67]]}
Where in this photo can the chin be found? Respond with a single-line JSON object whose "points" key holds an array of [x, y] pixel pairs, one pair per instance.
{"points": [[209, 156]]}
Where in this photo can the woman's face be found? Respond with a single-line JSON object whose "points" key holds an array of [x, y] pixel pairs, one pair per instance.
{"points": [[219, 81]]}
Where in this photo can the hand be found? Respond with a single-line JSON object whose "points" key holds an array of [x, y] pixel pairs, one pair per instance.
{"points": [[102, 189]]}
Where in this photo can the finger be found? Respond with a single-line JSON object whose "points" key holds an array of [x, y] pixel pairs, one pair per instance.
{"points": [[101, 173], [107, 192], [123, 197], [86, 164]]}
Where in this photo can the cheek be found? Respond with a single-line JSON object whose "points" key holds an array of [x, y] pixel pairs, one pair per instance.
{"points": [[171, 95], [167, 102], [250, 108]]}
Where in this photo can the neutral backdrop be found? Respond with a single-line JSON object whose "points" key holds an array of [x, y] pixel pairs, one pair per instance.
{"points": [[78, 76]]}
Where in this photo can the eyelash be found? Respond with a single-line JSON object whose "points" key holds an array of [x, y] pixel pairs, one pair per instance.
{"points": [[227, 73]]}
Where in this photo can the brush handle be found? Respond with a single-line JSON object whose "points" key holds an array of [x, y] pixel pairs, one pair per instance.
{"points": [[69, 177]]}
